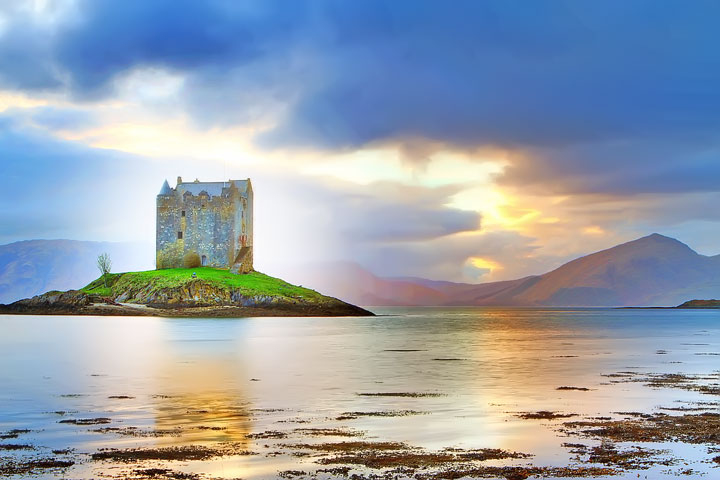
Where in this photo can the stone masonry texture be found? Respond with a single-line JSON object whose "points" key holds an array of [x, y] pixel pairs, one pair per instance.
{"points": [[211, 219]]}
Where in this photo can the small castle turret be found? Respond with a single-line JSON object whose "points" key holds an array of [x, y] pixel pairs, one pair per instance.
{"points": [[166, 190]]}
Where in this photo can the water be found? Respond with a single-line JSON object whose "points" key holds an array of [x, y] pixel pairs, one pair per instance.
{"points": [[216, 381]]}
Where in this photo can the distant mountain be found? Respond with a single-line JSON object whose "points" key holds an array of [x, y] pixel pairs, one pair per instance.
{"points": [[32, 267], [651, 271], [352, 283], [492, 293]]}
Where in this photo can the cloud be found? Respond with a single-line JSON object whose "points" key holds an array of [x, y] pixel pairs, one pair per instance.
{"points": [[389, 212], [26, 52], [60, 189], [507, 74], [54, 118], [87, 47], [583, 89], [310, 219], [618, 168], [448, 257], [608, 112], [470, 73]]}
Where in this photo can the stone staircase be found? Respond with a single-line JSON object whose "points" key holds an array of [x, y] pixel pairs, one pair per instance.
{"points": [[243, 261]]}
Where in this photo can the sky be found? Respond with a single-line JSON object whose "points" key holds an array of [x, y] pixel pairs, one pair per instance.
{"points": [[466, 141]]}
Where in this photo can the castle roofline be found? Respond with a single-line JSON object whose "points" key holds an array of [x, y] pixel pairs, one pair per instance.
{"points": [[212, 188]]}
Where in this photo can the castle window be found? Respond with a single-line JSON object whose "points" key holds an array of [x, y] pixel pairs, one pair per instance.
{"points": [[182, 214], [179, 235]]}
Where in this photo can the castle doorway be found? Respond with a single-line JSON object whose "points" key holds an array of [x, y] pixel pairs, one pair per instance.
{"points": [[203, 261]]}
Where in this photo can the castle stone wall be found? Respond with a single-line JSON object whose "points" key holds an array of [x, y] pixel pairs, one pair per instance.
{"points": [[217, 228]]}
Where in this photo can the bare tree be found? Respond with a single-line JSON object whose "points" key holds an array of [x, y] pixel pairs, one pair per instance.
{"points": [[104, 264]]}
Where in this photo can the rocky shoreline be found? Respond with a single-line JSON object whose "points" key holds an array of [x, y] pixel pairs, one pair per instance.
{"points": [[227, 311], [191, 297]]}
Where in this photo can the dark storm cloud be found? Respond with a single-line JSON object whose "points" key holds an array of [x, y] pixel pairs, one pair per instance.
{"points": [[618, 168], [512, 74], [183, 35], [590, 87], [26, 59], [98, 40], [501, 72]]}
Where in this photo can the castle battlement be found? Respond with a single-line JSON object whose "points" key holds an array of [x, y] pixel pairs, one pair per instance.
{"points": [[213, 220]]}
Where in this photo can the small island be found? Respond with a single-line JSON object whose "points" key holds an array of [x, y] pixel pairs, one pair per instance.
{"points": [[700, 304], [186, 292], [204, 259]]}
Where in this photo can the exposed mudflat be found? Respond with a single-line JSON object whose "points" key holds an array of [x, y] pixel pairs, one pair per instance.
{"points": [[612, 445]]}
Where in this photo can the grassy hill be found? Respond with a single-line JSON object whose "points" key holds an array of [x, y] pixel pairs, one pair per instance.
{"points": [[212, 292], [153, 281]]}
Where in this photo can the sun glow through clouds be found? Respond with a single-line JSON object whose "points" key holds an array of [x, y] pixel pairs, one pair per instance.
{"points": [[485, 264]]}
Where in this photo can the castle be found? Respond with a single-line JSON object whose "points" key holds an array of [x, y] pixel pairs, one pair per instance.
{"points": [[205, 223]]}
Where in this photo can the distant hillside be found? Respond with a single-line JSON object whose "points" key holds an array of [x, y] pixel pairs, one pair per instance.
{"points": [[32, 267], [651, 271], [701, 304], [352, 283]]}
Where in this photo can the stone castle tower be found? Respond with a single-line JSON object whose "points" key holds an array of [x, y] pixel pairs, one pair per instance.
{"points": [[213, 220]]}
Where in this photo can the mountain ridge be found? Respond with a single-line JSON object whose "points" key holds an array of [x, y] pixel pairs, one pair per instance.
{"points": [[654, 270]]}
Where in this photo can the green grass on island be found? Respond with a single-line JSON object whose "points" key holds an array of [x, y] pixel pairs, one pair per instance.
{"points": [[250, 284]]}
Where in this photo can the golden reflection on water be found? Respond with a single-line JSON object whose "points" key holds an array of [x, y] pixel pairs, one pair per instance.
{"points": [[203, 400], [200, 400], [198, 387], [193, 379]]}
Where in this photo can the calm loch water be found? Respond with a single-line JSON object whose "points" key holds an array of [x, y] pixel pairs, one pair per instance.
{"points": [[260, 384]]}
